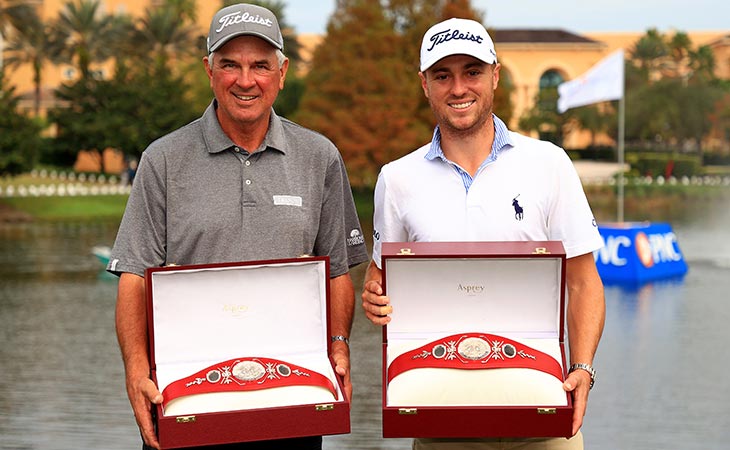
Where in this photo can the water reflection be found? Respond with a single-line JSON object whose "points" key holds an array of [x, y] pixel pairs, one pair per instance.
{"points": [[662, 370]]}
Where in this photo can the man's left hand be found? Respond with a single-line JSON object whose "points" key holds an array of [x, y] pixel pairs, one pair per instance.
{"points": [[578, 384], [341, 357]]}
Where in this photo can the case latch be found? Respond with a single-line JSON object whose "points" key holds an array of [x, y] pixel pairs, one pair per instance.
{"points": [[407, 411], [541, 251], [547, 411], [324, 407], [406, 252], [185, 419]]}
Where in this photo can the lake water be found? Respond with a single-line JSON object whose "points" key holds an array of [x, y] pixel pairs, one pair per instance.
{"points": [[663, 361]]}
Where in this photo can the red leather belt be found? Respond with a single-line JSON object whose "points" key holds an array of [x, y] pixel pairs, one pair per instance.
{"points": [[245, 374], [475, 351]]}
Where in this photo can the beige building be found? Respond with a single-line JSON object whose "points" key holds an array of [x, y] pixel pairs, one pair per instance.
{"points": [[526, 55]]}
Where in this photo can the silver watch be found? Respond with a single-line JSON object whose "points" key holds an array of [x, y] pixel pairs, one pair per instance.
{"points": [[341, 338], [587, 367]]}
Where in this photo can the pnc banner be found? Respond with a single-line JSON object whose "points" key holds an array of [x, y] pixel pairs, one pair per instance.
{"points": [[636, 252]]}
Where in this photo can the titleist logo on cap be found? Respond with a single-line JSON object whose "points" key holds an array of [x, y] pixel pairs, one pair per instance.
{"points": [[449, 35], [237, 17]]}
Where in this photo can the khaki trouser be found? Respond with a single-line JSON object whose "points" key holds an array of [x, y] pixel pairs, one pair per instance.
{"points": [[574, 443]]}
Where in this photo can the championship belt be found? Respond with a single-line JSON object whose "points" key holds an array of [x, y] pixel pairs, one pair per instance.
{"points": [[245, 374], [475, 351]]}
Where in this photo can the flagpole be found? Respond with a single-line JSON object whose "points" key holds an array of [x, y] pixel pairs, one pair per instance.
{"points": [[620, 195]]}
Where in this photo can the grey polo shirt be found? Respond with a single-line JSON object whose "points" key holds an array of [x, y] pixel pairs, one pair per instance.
{"points": [[199, 199]]}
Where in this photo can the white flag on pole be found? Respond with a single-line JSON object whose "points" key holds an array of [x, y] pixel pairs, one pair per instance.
{"points": [[602, 82]]}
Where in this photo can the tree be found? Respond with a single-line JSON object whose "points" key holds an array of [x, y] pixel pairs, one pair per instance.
{"points": [[13, 14], [674, 96], [31, 44], [162, 37], [649, 54], [544, 118], [20, 139], [126, 113], [84, 36], [356, 92]]}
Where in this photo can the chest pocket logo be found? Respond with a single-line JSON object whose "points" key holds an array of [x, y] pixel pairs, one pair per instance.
{"points": [[519, 212]]}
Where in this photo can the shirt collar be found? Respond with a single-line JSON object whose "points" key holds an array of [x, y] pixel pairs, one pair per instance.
{"points": [[502, 141], [218, 141]]}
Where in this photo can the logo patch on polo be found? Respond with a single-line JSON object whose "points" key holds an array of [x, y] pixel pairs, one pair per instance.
{"points": [[356, 238], [519, 212], [288, 200]]}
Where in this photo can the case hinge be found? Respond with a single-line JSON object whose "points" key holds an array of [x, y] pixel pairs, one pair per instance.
{"points": [[324, 407], [407, 411], [547, 411], [185, 419], [406, 251]]}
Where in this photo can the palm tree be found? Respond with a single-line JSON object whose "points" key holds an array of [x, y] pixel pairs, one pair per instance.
{"points": [[185, 9], [31, 44], [83, 35], [650, 54], [164, 36], [702, 63], [13, 14]]}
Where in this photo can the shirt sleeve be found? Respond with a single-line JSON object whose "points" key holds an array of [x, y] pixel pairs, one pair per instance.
{"points": [[338, 215], [355, 240], [387, 225], [140, 241], [571, 219]]}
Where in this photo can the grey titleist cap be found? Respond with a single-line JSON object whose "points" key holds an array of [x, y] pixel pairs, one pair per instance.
{"points": [[241, 20]]}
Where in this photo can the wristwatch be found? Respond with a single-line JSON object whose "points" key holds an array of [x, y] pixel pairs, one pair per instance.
{"points": [[587, 367], [341, 338]]}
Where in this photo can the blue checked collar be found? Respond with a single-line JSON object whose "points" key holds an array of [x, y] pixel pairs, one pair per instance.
{"points": [[502, 140]]}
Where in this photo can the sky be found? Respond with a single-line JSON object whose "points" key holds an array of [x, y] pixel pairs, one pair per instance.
{"points": [[311, 16]]}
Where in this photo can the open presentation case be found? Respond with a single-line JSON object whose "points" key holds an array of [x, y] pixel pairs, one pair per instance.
{"points": [[475, 346], [240, 352]]}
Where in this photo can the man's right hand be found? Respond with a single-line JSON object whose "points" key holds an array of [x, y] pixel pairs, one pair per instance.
{"points": [[376, 305], [143, 394]]}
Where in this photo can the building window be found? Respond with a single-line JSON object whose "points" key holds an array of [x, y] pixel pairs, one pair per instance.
{"points": [[550, 79]]}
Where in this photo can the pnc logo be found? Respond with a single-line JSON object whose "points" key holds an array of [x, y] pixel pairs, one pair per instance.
{"points": [[650, 249]]}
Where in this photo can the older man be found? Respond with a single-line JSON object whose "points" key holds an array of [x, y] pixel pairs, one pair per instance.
{"points": [[240, 183]]}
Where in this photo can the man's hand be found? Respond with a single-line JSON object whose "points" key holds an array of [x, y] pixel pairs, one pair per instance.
{"points": [[341, 357], [578, 384], [376, 305], [142, 395]]}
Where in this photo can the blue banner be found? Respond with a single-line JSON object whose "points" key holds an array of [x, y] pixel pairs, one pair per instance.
{"points": [[636, 252]]}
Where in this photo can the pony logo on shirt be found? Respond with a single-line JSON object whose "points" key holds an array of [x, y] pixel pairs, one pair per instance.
{"points": [[519, 212]]}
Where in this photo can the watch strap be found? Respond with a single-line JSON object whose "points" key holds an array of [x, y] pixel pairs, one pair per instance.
{"points": [[587, 367]]}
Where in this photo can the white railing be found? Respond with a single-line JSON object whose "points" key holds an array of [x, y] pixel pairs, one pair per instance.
{"points": [[67, 184], [716, 181]]}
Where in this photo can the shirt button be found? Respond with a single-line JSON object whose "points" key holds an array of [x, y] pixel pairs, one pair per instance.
{"points": [[236, 149], [248, 163], [248, 182]]}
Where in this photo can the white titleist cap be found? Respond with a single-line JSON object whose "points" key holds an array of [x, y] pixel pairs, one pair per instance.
{"points": [[244, 19], [456, 37]]}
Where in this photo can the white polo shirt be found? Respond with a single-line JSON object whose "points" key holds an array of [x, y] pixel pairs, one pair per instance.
{"points": [[526, 190]]}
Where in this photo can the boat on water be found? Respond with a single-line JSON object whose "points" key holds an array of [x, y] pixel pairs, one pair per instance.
{"points": [[102, 252]]}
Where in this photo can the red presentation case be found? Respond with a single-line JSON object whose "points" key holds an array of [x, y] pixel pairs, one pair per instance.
{"points": [[200, 315], [507, 289]]}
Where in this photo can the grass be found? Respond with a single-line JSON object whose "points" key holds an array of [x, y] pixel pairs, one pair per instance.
{"points": [[96, 207]]}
